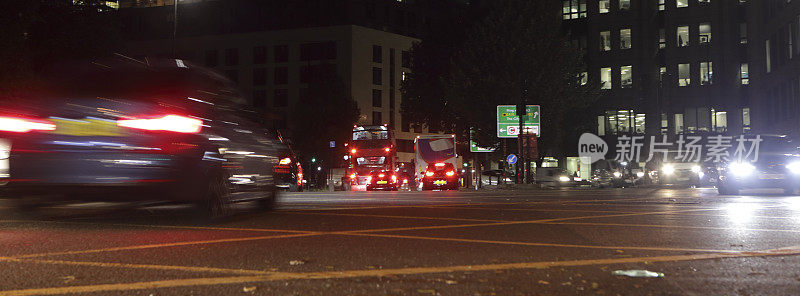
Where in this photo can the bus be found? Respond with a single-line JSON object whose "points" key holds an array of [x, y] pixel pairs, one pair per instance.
{"points": [[372, 148]]}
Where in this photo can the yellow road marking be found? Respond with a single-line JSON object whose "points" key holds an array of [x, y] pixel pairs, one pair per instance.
{"points": [[139, 247], [669, 226], [399, 217], [163, 226], [195, 282], [539, 244], [141, 266]]}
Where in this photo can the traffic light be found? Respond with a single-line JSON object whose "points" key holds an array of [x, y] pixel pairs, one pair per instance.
{"points": [[313, 159]]}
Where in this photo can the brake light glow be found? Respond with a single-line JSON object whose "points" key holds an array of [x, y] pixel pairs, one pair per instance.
{"points": [[387, 149], [286, 161], [352, 176], [440, 164], [450, 173], [428, 173], [171, 123], [24, 125], [381, 175], [353, 151], [394, 179]]}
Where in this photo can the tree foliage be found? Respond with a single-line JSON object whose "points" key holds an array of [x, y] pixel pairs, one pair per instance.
{"points": [[516, 53], [327, 113]]}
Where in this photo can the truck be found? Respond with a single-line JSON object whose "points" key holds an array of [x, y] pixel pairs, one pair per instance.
{"points": [[372, 148], [430, 149]]}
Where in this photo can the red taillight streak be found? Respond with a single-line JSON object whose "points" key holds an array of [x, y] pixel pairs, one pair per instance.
{"points": [[24, 125], [286, 161], [428, 173], [387, 149], [170, 123], [353, 151]]}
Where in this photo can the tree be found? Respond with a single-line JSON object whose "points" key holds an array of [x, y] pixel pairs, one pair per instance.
{"points": [[36, 34], [325, 113]]}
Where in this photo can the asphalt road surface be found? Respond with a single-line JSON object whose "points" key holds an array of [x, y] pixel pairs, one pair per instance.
{"points": [[534, 242]]}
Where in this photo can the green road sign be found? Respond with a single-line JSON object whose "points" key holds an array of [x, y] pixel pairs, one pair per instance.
{"points": [[508, 121], [473, 147]]}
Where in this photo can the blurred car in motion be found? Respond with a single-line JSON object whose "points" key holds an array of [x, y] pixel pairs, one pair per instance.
{"points": [[558, 177], [288, 171], [440, 175], [681, 173], [495, 177], [120, 129], [382, 180], [776, 166]]}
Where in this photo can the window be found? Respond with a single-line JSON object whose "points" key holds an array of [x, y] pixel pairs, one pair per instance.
{"points": [[662, 5], [281, 75], [622, 122], [377, 98], [661, 73], [377, 54], [605, 78], [683, 35], [212, 58], [584, 78], [601, 125], [790, 40], [259, 54], [638, 123], [281, 53], [604, 6], [719, 121], [305, 73], [625, 76], [625, 38], [259, 76], [605, 40], [391, 101], [231, 57], [664, 124], [662, 38], [705, 33], [683, 75], [405, 59], [745, 120], [377, 118], [743, 33], [624, 4], [706, 73], [377, 76], [768, 60], [573, 9], [744, 74], [318, 51], [682, 3], [679, 123], [281, 98]]}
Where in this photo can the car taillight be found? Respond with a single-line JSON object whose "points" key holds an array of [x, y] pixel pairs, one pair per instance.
{"points": [[387, 149], [352, 176], [428, 173], [24, 125], [170, 123], [381, 175], [441, 164], [285, 161], [353, 151], [394, 179], [450, 173]]}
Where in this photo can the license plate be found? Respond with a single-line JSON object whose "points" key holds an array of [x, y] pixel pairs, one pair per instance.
{"points": [[771, 176], [86, 127], [440, 182], [383, 182]]}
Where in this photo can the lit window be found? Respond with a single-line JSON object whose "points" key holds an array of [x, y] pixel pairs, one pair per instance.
{"points": [[682, 3], [683, 75], [662, 38], [601, 126], [683, 36], [705, 33], [745, 74], [626, 76], [678, 123], [662, 5], [664, 123], [719, 121], [743, 33], [625, 38], [573, 9], [639, 123], [706, 73], [584, 78], [624, 4], [745, 120], [604, 6], [605, 78], [661, 73], [605, 40], [703, 1]]}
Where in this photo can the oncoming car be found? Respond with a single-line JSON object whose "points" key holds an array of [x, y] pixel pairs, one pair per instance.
{"points": [[382, 180], [777, 166], [440, 175], [124, 130]]}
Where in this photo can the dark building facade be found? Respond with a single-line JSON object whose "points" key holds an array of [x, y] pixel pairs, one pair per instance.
{"points": [[668, 66]]}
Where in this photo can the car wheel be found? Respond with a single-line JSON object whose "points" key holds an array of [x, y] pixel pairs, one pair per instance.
{"points": [[217, 204], [268, 202]]}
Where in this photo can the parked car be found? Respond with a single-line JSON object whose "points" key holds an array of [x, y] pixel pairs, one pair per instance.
{"points": [[440, 175], [382, 180], [124, 130]]}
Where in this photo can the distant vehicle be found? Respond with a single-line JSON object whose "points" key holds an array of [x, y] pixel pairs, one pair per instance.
{"points": [[382, 180], [430, 149], [558, 177], [371, 149], [289, 172], [123, 130], [778, 166], [495, 177], [682, 173], [440, 175]]}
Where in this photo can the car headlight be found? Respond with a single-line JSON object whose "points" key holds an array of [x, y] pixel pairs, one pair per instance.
{"points": [[741, 168], [563, 179], [696, 169], [639, 174], [794, 167], [668, 169], [617, 175]]}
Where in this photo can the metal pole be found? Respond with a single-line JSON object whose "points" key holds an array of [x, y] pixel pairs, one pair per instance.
{"points": [[174, 25]]}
